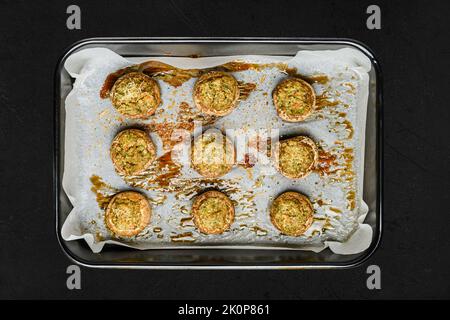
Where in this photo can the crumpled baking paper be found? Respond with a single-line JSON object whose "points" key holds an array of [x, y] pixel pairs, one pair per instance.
{"points": [[91, 124]]}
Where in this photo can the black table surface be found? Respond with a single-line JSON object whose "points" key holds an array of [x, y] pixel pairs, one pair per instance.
{"points": [[413, 51]]}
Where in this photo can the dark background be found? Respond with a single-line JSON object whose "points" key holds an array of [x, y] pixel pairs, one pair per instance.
{"points": [[413, 50]]}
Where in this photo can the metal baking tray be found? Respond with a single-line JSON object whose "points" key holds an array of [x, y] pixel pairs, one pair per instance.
{"points": [[122, 257]]}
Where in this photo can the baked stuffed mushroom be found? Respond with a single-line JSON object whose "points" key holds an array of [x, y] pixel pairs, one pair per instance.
{"points": [[296, 157], [292, 213], [135, 95], [213, 155], [128, 213], [216, 93], [132, 151], [294, 99], [213, 212]]}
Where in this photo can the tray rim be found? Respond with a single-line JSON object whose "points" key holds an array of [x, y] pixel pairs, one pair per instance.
{"points": [[57, 179]]}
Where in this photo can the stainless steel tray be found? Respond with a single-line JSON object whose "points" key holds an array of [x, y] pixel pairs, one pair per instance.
{"points": [[120, 257]]}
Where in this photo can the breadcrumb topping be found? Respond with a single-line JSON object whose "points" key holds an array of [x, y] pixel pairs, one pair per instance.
{"points": [[132, 151], [213, 212], [135, 95], [213, 155], [216, 93], [296, 157], [292, 213], [294, 99]]}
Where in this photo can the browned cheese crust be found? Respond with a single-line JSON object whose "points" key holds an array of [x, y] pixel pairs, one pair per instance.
{"points": [[212, 155], [213, 212], [294, 99], [296, 157], [132, 151], [127, 214], [292, 213], [216, 93], [136, 95]]}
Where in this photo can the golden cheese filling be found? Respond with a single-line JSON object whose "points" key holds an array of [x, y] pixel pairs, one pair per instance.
{"points": [[216, 93], [294, 99], [296, 156], [127, 213], [212, 155], [136, 95], [292, 213], [132, 151], [213, 212]]}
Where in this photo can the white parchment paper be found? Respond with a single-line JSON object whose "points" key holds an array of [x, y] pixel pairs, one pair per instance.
{"points": [[92, 122]]}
